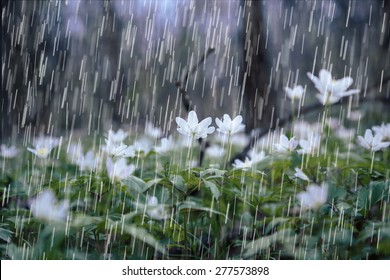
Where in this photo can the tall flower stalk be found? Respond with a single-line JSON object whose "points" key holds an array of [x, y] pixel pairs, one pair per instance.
{"points": [[228, 127]]}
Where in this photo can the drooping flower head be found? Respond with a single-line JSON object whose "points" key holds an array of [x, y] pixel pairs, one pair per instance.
{"points": [[330, 90], [193, 128]]}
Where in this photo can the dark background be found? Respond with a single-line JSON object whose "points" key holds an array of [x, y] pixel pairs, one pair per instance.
{"points": [[87, 66]]}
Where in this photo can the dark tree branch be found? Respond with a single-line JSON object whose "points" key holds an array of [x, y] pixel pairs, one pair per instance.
{"points": [[185, 98]]}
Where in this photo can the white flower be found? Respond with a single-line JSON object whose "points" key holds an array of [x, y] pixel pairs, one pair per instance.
{"points": [[152, 131], [74, 152], [46, 207], [339, 130], [286, 145], [309, 146], [240, 139], [229, 126], [155, 210], [215, 151], [245, 165], [384, 129], [314, 196], [344, 133], [129, 151], [331, 91], [117, 137], [373, 143], [43, 146], [193, 128], [303, 130], [256, 157], [294, 93], [116, 149], [8, 152], [299, 174], [143, 145], [167, 144], [191, 163], [88, 161], [119, 170]]}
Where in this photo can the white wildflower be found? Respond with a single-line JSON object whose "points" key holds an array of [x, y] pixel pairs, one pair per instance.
{"points": [[229, 126], [117, 137], [294, 93], [88, 161], [119, 169], [256, 156], [286, 145], [309, 146], [245, 165], [116, 149], [299, 174], [331, 91], [152, 131], [155, 210], [43, 146], [193, 128], [46, 207], [215, 151], [167, 144], [8, 152], [372, 143], [383, 129], [314, 196]]}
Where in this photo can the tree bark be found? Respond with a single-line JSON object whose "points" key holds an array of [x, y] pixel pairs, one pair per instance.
{"points": [[258, 101]]}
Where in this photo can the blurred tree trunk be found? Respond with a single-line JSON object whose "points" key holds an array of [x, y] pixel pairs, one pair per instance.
{"points": [[258, 99]]}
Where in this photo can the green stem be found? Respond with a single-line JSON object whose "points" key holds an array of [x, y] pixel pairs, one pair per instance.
{"points": [[372, 161], [229, 154], [189, 155]]}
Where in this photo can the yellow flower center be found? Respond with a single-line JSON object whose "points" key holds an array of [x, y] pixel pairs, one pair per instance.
{"points": [[43, 152]]}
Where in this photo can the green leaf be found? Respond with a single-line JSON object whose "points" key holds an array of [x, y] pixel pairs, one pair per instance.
{"points": [[263, 243], [372, 194], [5, 234], [134, 184], [142, 235], [335, 192], [194, 207], [213, 188]]}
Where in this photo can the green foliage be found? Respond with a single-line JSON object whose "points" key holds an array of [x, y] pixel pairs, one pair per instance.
{"points": [[202, 213]]}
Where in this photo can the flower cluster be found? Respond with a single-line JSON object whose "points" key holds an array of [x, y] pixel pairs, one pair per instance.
{"points": [[195, 129], [330, 90]]}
